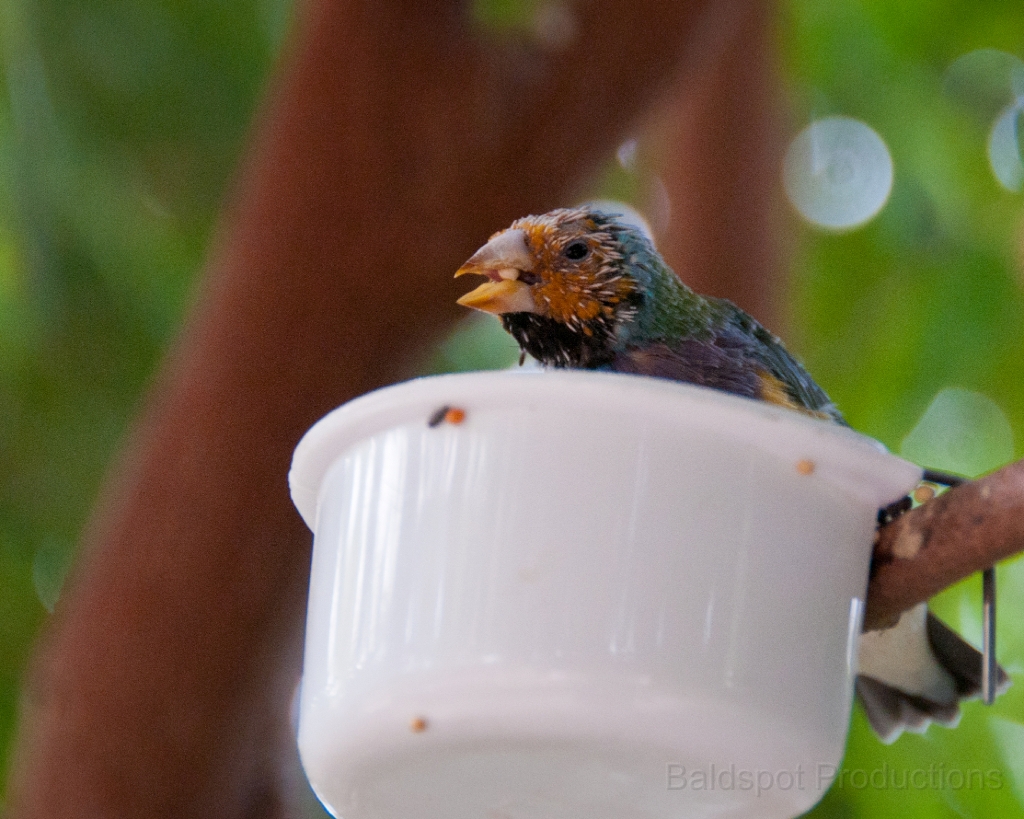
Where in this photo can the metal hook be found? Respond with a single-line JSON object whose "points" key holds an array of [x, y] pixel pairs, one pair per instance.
{"points": [[989, 665]]}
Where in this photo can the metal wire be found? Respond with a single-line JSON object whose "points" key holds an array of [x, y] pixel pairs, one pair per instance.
{"points": [[989, 666]]}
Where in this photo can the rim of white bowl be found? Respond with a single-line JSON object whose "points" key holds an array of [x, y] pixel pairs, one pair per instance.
{"points": [[840, 455]]}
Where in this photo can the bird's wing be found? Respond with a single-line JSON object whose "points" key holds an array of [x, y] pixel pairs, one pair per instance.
{"points": [[764, 348], [736, 355], [695, 361]]}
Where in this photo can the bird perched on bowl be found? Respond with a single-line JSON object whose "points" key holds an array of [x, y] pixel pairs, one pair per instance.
{"points": [[580, 288]]}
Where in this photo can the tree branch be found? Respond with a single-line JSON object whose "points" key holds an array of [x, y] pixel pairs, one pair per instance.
{"points": [[958, 533]]}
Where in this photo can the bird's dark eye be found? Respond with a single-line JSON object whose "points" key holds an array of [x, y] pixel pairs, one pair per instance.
{"points": [[576, 251]]}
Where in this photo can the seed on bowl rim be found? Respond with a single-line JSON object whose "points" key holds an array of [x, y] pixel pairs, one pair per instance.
{"points": [[454, 415], [924, 493], [805, 466]]}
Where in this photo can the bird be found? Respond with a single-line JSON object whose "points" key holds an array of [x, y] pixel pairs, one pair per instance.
{"points": [[583, 288]]}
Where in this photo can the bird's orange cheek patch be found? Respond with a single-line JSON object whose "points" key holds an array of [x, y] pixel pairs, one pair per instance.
{"points": [[536, 233], [566, 303], [588, 308]]}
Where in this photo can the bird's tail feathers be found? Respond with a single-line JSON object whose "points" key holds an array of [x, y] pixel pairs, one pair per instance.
{"points": [[929, 693], [890, 711]]}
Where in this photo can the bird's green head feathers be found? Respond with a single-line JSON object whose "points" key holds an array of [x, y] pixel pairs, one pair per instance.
{"points": [[574, 286]]}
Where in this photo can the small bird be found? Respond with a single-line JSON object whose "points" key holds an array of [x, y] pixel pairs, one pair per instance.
{"points": [[580, 288]]}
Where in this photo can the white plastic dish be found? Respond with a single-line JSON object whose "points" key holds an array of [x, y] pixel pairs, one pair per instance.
{"points": [[598, 596]]}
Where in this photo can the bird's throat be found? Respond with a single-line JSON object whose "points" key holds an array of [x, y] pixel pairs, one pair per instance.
{"points": [[555, 344]]}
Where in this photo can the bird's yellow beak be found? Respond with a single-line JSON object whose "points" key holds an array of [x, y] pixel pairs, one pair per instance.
{"points": [[502, 260]]}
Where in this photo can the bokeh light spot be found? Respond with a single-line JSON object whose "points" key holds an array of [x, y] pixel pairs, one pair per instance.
{"points": [[963, 432], [659, 206], [626, 213], [838, 173], [985, 81], [554, 26], [1004, 147], [626, 154], [49, 568]]}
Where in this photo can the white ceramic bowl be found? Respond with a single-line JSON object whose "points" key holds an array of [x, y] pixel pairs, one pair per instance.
{"points": [[598, 596]]}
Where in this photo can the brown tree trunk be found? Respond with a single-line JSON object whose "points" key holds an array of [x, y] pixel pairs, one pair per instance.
{"points": [[721, 142]]}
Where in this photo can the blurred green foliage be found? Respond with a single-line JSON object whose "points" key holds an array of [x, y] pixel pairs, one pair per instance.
{"points": [[120, 123], [915, 323]]}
